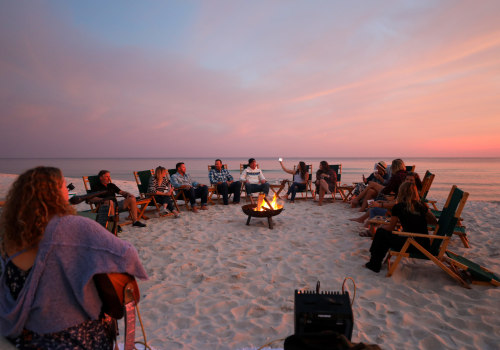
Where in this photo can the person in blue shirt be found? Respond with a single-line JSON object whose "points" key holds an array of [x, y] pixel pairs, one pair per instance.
{"points": [[192, 189], [220, 177]]}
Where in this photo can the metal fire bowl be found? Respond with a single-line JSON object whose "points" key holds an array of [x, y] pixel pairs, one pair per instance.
{"points": [[249, 210]]}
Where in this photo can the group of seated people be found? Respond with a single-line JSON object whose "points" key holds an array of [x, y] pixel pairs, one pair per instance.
{"points": [[40, 236], [397, 194]]}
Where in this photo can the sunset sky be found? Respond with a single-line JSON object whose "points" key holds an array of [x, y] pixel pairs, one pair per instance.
{"points": [[239, 78]]}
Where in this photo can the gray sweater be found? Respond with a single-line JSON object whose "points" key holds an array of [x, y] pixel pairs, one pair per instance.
{"points": [[59, 291]]}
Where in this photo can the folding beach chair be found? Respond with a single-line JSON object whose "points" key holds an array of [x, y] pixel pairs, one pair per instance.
{"points": [[91, 182], [308, 188], [439, 239], [213, 187], [475, 272], [179, 194], [338, 170], [247, 196], [142, 181]]}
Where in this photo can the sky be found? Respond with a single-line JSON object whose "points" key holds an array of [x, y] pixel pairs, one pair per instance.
{"points": [[402, 78]]}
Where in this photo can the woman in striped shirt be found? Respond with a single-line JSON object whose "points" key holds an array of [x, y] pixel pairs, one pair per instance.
{"points": [[161, 188]]}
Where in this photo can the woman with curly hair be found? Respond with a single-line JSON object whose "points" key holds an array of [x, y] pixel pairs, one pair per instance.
{"points": [[300, 178], [48, 297]]}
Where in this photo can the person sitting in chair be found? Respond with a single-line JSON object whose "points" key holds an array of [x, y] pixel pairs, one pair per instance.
{"points": [[326, 180], [413, 216], [254, 179], [192, 189], [221, 178], [161, 187], [300, 178], [129, 203]]}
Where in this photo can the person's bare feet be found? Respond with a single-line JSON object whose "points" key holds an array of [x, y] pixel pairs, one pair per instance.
{"points": [[204, 207], [195, 209], [360, 220]]}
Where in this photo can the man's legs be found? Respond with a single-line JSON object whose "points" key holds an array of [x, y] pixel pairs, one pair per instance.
{"points": [[223, 190], [265, 188], [191, 195], [235, 188], [131, 204], [202, 192]]}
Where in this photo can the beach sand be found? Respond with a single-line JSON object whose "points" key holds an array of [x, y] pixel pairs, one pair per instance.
{"points": [[215, 283]]}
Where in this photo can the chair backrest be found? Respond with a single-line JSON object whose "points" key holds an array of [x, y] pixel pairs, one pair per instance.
{"points": [[449, 216], [224, 166], [90, 183], [426, 184], [410, 168], [171, 172], [309, 169], [338, 170], [244, 166], [142, 180]]}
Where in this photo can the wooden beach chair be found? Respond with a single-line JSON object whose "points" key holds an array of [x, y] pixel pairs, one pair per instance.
{"points": [[475, 272], [247, 196], [439, 239], [91, 182], [338, 170], [309, 188], [212, 190], [179, 194], [142, 181]]}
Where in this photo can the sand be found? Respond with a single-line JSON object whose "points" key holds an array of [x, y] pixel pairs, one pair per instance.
{"points": [[215, 283]]}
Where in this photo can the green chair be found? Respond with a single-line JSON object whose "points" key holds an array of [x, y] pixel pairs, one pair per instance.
{"points": [[439, 239], [410, 168], [142, 181], [90, 182], [475, 272]]}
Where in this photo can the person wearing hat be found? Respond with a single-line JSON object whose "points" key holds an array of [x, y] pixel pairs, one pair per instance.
{"points": [[379, 176]]}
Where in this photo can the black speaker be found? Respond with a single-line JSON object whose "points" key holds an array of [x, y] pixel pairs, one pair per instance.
{"points": [[317, 312]]}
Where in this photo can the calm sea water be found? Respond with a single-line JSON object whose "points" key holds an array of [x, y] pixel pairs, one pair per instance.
{"points": [[478, 176]]}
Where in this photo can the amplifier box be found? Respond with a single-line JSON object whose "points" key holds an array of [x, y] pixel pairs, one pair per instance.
{"points": [[317, 312]]}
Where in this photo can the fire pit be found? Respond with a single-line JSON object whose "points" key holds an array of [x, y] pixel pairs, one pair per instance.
{"points": [[263, 209]]}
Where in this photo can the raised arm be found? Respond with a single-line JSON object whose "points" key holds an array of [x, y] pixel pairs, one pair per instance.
{"points": [[285, 169]]}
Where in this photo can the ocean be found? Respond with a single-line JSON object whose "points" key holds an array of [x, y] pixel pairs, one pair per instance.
{"points": [[478, 176]]}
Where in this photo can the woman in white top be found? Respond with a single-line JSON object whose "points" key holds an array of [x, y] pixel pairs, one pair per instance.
{"points": [[300, 178]]}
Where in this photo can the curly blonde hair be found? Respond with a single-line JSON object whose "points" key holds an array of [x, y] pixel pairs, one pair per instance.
{"points": [[34, 198]]}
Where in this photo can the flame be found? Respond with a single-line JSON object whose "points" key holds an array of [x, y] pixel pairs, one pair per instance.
{"points": [[263, 204]]}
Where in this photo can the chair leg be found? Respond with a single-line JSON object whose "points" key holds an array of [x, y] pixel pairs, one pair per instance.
{"points": [[399, 257]]}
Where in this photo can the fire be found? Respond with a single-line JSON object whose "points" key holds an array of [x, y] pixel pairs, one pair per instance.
{"points": [[263, 203]]}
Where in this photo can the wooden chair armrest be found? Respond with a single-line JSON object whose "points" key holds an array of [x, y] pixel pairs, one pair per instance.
{"points": [[423, 235]]}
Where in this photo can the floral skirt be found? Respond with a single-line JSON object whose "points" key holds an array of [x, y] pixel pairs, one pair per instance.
{"points": [[98, 335]]}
